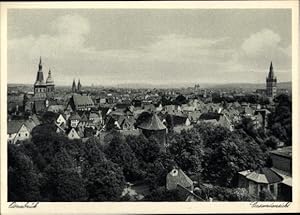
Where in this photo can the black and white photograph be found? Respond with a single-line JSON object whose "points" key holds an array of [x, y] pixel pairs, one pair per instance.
{"points": [[149, 105]]}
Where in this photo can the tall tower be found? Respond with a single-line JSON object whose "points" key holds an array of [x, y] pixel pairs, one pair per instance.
{"points": [[50, 85], [271, 82], [79, 86], [40, 85], [74, 87]]}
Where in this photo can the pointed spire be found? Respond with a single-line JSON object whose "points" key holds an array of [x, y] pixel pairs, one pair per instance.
{"points": [[40, 64], [271, 72], [49, 79], [79, 86], [73, 86]]}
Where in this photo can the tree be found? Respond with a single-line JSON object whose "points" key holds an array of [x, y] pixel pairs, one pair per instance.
{"points": [[280, 120], [105, 182], [49, 117], [272, 142], [62, 179], [187, 149], [161, 194], [223, 160], [23, 178], [120, 153], [145, 150]]}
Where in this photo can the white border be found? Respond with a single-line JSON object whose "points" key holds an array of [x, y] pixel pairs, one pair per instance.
{"points": [[161, 207]]}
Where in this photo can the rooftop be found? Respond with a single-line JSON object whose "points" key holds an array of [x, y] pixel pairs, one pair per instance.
{"points": [[284, 151], [153, 123]]}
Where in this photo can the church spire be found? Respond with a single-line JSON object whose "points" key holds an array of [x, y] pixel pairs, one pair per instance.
{"points": [[271, 71], [79, 86], [40, 64], [73, 86], [40, 76], [49, 79]]}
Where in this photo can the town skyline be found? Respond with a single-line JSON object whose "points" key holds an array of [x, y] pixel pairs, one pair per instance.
{"points": [[95, 47]]}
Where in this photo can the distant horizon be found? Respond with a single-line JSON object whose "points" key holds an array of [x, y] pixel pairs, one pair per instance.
{"points": [[185, 85]]}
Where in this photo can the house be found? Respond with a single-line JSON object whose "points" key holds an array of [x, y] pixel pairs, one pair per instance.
{"points": [[194, 116], [61, 121], [282, 165], [95, 118], [74, 119], [127, 123], [217, 119], [177, 178], [263, 116], [178, 119], [83, 122], [56, 108], [19, 130], [74, 134], [80, 103], [262, 179]]}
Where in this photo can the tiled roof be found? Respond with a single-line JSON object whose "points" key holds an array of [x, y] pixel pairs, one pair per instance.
{"points": [[284, 151], [84, 118], [74, 116], [210, 116], [263, 175], [178, 177], [56, 108], [14, 126], [153, 123], [82, 101]]}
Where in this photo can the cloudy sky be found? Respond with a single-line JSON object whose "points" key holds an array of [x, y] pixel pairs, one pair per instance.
{"points": [[114, 46]]}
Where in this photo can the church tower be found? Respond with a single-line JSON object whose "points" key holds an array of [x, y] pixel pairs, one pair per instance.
{"points": [[79, 86], [50, 85], [74, 90], [40, 85], [271, 82]]}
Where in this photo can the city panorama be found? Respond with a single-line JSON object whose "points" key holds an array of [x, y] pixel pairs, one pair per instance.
{"points": [[149, 105]]}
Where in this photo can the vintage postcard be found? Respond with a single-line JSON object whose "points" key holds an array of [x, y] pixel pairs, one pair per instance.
{"points": [[149, 107]]}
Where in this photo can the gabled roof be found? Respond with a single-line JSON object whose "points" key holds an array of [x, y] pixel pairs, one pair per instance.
{"points": [[14, 126], [153, 123], [81, 101], [178, 178], [210, 116], [74, 116], [84, 118], [35, 119], [263, 176], [284, 151]]}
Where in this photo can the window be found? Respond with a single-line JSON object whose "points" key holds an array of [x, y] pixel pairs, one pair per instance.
{"points": [[19, 135], [26, 134]]}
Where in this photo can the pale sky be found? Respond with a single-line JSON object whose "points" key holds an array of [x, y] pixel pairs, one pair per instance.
{"points": [[115, 46]]}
